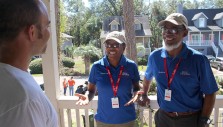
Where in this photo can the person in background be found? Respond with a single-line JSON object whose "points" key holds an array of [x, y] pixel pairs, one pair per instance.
{"points": [[23, 33], [81, 89], [116, 79], [65, 85], [71, 83], [186, 86]]}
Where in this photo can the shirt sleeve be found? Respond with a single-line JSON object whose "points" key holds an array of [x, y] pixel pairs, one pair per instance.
{"points": [[207, 80], [92, 78], [149, 70], [28, 114]]}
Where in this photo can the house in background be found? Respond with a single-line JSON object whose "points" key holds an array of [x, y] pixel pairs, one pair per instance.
{"points": [[205, 30], [67, 42], [142, 30]]}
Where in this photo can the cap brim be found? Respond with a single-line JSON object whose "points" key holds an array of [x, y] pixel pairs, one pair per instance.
{"points": [[115, 39], [163, 22]]}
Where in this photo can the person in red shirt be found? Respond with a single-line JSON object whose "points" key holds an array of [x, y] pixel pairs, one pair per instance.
{"points": [[65, 84], [71, 83]]}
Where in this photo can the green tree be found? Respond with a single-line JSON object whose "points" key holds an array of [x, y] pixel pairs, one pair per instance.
{"points": [[69, 51], [84, 23], [86, 52]]}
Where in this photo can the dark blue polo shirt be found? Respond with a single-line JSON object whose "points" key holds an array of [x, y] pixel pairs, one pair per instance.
{"points": [[99, 77], [193, 78]]}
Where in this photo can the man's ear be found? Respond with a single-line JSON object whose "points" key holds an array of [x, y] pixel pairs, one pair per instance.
{"points": [[124, 46], [185, 33], [32, 32]]}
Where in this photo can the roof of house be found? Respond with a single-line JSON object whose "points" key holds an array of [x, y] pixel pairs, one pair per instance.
{"points": [[209, 13], [145, 31], [196, 16], [218, 16]]}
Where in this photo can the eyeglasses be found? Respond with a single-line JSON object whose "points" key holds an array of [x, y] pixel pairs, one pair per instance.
{"points": [[172, 30], [112, 45]]}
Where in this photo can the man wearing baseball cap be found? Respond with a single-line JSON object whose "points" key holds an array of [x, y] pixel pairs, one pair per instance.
{"points": [[186, 86], [116, 79]]}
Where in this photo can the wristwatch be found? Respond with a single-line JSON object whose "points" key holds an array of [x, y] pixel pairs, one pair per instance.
{"points": [[205, 120]]}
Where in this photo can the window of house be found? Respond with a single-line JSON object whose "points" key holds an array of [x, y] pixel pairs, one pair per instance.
{"points": [[222, 22], [211, 37], [137, 26], [201, 22], [196, 37], [114, 27]]}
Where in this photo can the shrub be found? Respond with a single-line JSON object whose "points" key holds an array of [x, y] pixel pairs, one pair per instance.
{"points": [[94, 58], [68, 62], [70, 72], [35, 66], [142, 61]]}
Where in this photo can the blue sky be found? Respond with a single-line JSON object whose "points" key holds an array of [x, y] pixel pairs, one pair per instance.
{"points": [[86, 3]]}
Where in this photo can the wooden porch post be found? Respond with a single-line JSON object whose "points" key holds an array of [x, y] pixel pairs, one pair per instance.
{"points": [[50, 61]]}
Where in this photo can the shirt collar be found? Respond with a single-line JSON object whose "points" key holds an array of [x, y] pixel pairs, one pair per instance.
{"points": [[122, 61], [183, 54]]}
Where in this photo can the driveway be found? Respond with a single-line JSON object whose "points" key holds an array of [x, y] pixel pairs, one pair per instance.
{"points": [[79, 80]]}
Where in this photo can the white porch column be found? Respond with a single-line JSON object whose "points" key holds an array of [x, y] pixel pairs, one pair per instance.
{"points": [[50, 61]]}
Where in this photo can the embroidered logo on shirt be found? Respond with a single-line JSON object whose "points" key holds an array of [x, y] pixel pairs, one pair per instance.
{"points": [[125, 74], [160, 72], [184, 73]]}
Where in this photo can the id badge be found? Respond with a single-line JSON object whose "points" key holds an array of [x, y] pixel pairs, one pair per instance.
{"points": [[115, 102], [167, 95]]}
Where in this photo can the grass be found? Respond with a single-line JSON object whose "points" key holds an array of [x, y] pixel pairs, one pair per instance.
{"points": [[142, 68], [79, 65], [37, 75]]}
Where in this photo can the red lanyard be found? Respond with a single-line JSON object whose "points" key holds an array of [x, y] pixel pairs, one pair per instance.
{"points": [[115, 87], [173, 74]]}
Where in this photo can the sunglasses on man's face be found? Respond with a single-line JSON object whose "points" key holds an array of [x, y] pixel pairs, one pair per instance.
{"points": [[116, 45], [172, 30]]}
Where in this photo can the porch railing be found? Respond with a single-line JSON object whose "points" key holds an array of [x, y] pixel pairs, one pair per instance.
{"points": [[221, 45], [215, 49], [199, 42], [72, 115]]}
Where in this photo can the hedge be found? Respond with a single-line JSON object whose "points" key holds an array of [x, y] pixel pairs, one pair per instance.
{"points": [[68, 62], [35, 66]]}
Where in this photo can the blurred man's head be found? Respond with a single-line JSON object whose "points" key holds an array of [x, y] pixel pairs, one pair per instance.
{"points": [[28, 17]]}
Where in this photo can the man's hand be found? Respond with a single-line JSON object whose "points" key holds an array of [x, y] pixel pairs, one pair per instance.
{"points": [[83, 99], [135, 98], [144, 100]]}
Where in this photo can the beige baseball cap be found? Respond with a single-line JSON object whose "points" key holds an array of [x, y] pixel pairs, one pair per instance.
{"points": [[175, 18], [116, 36]]}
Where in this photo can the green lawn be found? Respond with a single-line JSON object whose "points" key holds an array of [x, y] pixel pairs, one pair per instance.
{"points": [[37, 75], [79, 65], [142, 68]]}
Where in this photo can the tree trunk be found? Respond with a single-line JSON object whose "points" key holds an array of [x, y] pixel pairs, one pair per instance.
{"points": [[128, 13], [57, 15], [87, 64]]}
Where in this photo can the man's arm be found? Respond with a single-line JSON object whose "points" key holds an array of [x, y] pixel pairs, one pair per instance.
{"points": [[136, 93], [144, 100], [208, 105], [91, 91], [89, 95], [209, 101], [146, 86]]}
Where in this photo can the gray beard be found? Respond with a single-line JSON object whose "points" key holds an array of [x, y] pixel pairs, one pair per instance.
{"points": [[171, 47]]}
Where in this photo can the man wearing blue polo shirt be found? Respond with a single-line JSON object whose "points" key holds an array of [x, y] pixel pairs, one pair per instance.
{"points": [[117, 81], [185, 83]]}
